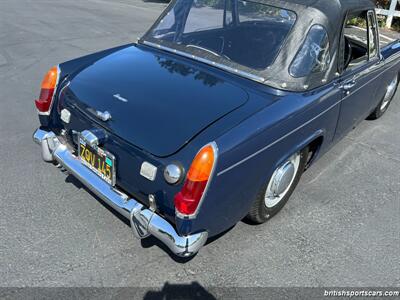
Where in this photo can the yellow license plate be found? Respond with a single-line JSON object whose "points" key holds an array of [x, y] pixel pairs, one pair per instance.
{"points": [[98, 160]]}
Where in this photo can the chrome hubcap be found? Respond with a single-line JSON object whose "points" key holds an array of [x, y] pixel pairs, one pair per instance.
{"points": [[389, 93], [281, 181]]}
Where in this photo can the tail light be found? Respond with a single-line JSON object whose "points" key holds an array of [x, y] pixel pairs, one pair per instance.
{"points": [[189, 198], [48, 88]]}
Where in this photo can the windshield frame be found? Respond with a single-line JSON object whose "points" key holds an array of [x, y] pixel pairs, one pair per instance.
{"points": [[218, 62]]}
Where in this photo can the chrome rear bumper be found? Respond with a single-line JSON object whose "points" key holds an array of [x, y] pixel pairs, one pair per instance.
{"points": [[144, 222]]}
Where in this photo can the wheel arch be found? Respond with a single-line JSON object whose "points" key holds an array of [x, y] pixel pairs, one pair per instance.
{"points": [[313, 141], [314, 148]]}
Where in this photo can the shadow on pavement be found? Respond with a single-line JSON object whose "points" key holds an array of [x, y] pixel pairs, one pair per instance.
{"points": [[191, 291]]}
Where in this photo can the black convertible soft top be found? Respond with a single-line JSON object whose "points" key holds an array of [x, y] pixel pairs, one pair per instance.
{"points": [[328, 13], [331, 8]]}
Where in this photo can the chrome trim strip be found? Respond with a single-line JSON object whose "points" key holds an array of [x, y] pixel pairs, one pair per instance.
{"points": [[276, 141], [143, 221], [298, 128], [206, 61], [382, 63], [393, 57]]}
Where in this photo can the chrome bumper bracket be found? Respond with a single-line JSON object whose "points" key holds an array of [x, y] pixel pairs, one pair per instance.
{"points": [[144, 222]]}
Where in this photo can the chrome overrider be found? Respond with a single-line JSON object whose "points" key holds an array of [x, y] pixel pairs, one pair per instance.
{"points": [[144, 221]]}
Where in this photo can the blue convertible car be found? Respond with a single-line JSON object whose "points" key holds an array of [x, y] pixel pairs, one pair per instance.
{"points": [[214, 114]]}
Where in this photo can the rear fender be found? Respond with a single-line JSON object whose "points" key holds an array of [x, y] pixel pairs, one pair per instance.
{"points": [[287, 153], [299, 147]]}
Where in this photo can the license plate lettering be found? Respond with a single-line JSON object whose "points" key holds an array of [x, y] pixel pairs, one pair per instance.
{"points": [[103, 168], [98, 160]]}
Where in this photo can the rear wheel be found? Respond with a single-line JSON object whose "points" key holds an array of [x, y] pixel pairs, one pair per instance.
{"points": [[384, 104], [275, 193]]}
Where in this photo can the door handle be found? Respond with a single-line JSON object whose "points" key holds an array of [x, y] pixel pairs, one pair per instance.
{"points": [[348, 85]]}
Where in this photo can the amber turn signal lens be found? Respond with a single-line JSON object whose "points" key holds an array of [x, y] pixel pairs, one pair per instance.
{"points": [[50, 79], [202, 165]]}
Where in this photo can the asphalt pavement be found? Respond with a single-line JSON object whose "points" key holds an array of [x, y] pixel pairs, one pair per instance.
{"points": [[340, 228]]}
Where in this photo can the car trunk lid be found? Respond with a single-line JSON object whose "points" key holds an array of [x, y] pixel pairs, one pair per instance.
{"points": [[156, 102]]}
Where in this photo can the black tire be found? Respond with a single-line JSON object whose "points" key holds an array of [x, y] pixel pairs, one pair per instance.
{"points": [[259, 212], [387, 99]]}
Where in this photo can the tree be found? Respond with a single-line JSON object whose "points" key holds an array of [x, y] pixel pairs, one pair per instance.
{"points": [[383, 3]]}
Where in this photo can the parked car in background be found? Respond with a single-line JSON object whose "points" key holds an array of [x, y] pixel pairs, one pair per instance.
{"points": [[215, 113]]}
